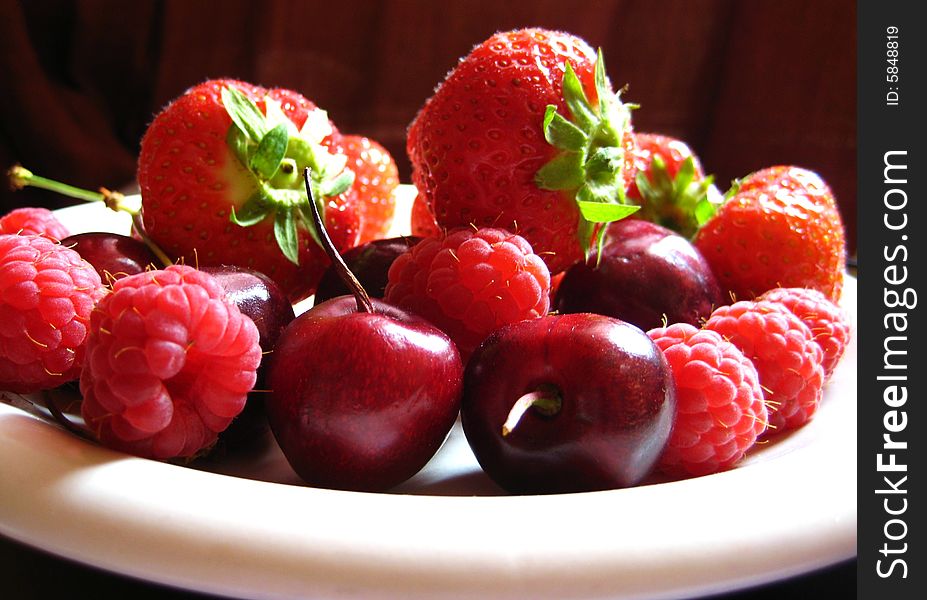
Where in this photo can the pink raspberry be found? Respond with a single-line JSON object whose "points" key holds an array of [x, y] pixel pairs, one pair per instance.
{"points": [[47, 293], [720, 406], [784, 353], [33, 221], [470, 282], [826, 320], [169, 364]]}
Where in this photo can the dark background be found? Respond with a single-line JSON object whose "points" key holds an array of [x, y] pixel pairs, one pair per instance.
{"points": [[747, 84]]}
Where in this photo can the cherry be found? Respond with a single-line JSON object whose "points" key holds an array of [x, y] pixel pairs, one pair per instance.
{"points": [[363, 393], [260, 298], [112, 255], [646, 273], [368, 262], [567, 403]]}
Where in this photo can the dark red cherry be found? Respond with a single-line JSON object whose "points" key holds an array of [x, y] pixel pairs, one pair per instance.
{"points": [[258, 297], [362, 400], [646, 273], [369, 263], [363, 393], [567, 403], [112, 255]]}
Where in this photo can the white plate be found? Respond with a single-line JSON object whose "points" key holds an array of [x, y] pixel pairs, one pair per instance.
{"points": [[447, 533]]}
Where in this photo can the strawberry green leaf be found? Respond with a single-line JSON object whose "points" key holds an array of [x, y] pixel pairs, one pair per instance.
{"points": [[576, 100], [704, 211], [602, 87], [605, 212], [591, 157], [561, 133], [244, 113], [733, 190], [563, 172], [270, 152], [682, 203], [286, 233], [252, 212], [337, 185], [239, 145]]}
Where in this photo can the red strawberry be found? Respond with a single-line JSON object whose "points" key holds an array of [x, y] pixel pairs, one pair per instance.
{"points": [[671, 186], [470, 282], [526, 134], [422, 219], [221, 176], [780, 227], [375, 178], [33, 221]]}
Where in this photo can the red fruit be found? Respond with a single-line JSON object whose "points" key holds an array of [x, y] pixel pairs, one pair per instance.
{"points": [[720, 407], [33, 221], [111, 254], [526, 134], [671, 186], [363, 393], [784, 353], [423, 220], [221, 171], [671, 152], [47, 292], [375, 179], [369, 263], [169, 364], [470, 282], [645, 274], [827, 321], [567, 403], [780, 228]]}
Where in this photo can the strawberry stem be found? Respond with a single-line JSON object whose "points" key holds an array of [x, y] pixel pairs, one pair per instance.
{"points": [[360, 294], [546, 400]]}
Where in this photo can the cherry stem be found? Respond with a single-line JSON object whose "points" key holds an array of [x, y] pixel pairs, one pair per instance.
{"points": [[21, 177], [360, 294], [139, 229], [546, 400]]}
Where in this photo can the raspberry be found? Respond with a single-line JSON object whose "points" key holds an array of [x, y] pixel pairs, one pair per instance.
{"points": [[470, 282], [784, 353], [33, 221], [826, 320], [47, 293], [720, 406], [169, 364]]}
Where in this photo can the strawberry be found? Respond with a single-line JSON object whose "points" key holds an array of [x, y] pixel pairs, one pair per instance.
{"points": [[526, 134], [671, 186], [375, 178], [422, 219], [779, 227], [221, 177]]}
